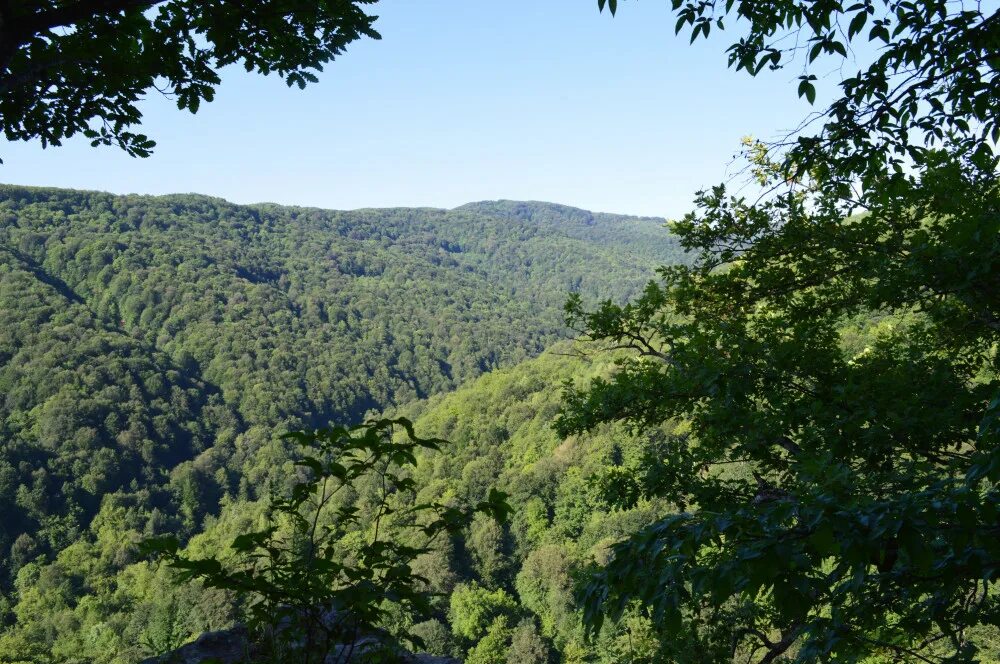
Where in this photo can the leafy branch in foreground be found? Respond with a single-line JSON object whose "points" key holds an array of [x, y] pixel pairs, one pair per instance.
{"points": [[838, 491], [308, 595], [928, 75], [833, 351], [83, 66]]}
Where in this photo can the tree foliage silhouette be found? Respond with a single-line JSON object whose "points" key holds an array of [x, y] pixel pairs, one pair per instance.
{"points": [[83, 66]]}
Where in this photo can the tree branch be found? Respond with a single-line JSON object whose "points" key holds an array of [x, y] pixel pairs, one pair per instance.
{"points": [[67, 15], [776, 650], [15, 30]]}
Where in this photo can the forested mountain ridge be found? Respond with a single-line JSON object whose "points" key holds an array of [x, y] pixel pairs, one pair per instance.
{"points": [[153, 348], [198, 278]]}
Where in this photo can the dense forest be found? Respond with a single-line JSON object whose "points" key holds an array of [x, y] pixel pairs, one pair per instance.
{"points": [[779, 444], [506, 590], [153, 349]]}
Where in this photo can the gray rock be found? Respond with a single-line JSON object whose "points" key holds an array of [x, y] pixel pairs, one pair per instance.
{"points": [[233, 646], [228, 646]]}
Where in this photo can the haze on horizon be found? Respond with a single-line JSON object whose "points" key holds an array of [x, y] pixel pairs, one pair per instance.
{"points": [[458, 102]]}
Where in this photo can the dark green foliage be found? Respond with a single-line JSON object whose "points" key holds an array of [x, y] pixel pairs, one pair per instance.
{"points": [[88, 410], [320, 316], [833, 348], [81, 67], [527, 646], [139, 333], [838, 488], [151, 347], [435, 636], [308, 597]]}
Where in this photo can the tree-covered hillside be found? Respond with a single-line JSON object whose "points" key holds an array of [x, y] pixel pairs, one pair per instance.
{"points": [[152, 348], [506, 591], [336, 312], [510, 589]]}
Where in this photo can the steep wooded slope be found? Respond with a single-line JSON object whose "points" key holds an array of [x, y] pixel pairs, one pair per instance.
{"points": [[516, 580], [153, 347]]}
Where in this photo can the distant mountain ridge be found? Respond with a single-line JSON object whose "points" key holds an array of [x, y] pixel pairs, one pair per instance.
{"points": [[153, 347]]}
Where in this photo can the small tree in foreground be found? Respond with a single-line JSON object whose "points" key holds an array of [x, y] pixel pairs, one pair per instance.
{"points": [[308, 595]]}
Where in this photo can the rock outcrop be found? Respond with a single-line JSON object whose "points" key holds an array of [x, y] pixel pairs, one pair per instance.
{"points": [[233, 646]]}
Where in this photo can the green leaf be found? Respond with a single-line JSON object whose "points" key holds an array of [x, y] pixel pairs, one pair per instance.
{"points": [[823, 540], [857, 24], [807, 89], [311, 463]]}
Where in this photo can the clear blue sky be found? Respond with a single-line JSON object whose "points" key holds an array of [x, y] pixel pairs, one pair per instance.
{"points": [[461, 100]]}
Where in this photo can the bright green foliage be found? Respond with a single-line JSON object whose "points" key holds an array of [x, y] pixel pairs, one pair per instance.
{"points": [[151, 347], [493, 647], [545, 586], [833, 350], [474, 610], [500, 427], [304, 593], [837, 491], [79, 607], [81, 67]]}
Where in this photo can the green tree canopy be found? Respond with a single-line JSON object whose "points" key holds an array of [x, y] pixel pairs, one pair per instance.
{"points": [[307, 593], [82, 66], [833, 349]]}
